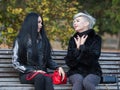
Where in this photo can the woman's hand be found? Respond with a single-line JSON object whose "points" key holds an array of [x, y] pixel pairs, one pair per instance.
{"points": [[61, 72], [80, 40], [41, 71], [83, 39], [77, 41]]}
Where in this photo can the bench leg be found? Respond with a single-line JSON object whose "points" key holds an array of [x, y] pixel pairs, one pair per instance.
{"points": [[117, 85]]}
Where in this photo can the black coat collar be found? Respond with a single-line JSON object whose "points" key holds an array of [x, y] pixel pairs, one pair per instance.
{"points": [[89, 32]]}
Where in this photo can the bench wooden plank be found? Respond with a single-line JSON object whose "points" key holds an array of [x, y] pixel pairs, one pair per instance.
{"points": [[110, 63], [57, 87]]}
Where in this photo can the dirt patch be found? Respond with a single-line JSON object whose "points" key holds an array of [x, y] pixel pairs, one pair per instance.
{"points": [[3, 46]]}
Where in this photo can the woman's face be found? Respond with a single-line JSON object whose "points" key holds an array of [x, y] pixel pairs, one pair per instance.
{"points": [[79, 24], [39, 23]]}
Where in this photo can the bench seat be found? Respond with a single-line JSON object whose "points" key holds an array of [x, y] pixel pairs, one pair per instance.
{"points": [[109, 61]]}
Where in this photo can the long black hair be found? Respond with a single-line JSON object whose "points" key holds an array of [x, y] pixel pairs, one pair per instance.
{"points": [[29, 29]]}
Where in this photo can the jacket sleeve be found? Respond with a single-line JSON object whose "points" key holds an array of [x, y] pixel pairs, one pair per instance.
{"points": [[15, 60], [72, 54], [51, 64]]}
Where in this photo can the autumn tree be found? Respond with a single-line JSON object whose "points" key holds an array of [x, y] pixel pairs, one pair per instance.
{"points": [[107, 14], [57, 15]]}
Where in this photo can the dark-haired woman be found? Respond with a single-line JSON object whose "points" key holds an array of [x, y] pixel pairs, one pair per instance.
{"points": [[32, 54]]}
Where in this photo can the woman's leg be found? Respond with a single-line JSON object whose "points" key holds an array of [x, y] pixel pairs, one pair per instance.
{"points": [[90, 81], [38, 81], [76, 80], [49, 84]]}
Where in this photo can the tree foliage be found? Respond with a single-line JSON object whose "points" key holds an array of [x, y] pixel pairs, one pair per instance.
{"points": [[107, 13], [57, 15]]}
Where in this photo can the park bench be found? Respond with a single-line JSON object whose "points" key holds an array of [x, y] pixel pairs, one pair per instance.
{"points": [[109, 61]]}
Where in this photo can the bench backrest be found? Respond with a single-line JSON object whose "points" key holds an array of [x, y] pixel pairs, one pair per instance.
{"points": [[110, 63]]}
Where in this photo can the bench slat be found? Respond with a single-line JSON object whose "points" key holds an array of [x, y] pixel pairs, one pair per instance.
{"points": [[109, 61]]}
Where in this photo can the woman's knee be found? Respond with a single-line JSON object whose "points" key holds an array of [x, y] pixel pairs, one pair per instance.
{"points": [[88, 85], [39, 77], [86, 82], [48, 79], [76, 78], [91, 81]]}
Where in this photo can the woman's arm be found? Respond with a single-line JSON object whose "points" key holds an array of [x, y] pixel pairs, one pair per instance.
{"points": [[72, 53], [16, 61], [51, 64], [90, 53]]}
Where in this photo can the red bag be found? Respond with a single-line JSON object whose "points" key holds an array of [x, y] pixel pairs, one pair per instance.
{"points": [[57, 79], [31, 75]]}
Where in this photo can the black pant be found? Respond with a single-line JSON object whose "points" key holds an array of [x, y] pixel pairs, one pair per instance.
{"points": [[40, 82]]}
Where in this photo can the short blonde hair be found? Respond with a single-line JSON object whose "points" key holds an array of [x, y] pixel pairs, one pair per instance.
{"points": [[89, 18]]}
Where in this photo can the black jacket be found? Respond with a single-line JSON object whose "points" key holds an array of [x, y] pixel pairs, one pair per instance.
{"points": [[25, 64], [85, 60]]}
